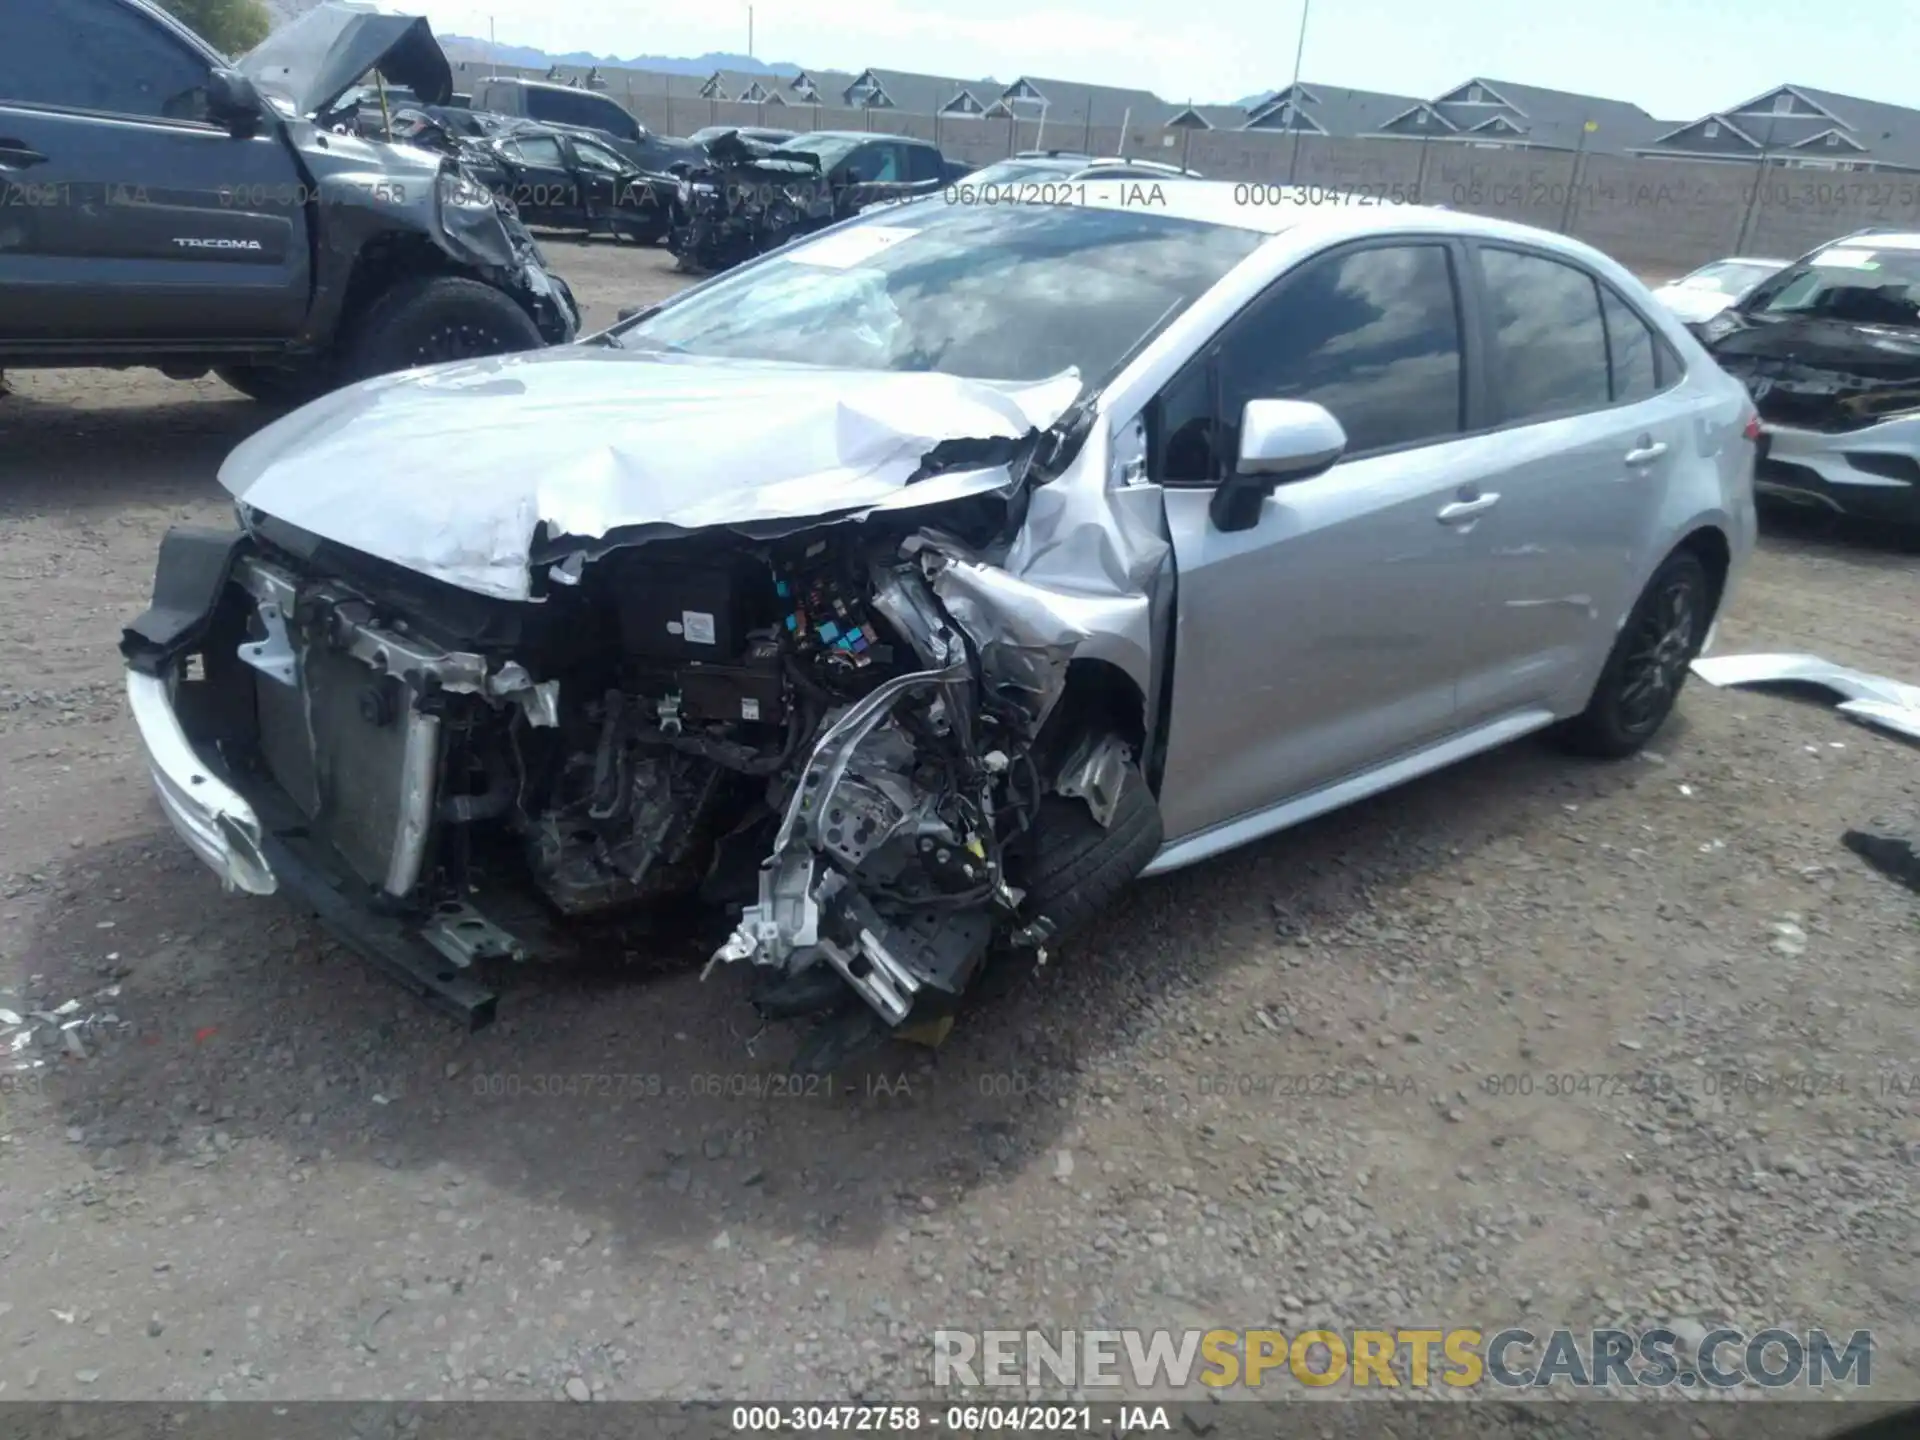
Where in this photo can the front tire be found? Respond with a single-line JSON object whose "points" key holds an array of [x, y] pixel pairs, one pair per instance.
{"points": [[1075, 866], [437, 318], [1648, 665]]}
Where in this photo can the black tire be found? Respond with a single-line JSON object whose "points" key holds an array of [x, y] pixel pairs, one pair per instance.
{"points": [[435, 318], [1648, 664], [274, 384], [1075, 867]]}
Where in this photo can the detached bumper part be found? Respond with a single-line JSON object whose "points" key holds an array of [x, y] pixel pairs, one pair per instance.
{"points": [[1875, 700], [208, 814]]}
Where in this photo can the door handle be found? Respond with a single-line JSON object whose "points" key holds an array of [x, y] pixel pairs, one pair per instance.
{"points": [[1461, 511], [14, 153], [1647, 454]]}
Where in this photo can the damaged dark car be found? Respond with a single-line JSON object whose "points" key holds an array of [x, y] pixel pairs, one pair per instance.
{"points": [[896, 599], [1830, 351], [166, 209], [749, 197]]}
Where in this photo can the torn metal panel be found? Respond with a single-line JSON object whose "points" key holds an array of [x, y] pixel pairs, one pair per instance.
{"points": [[648, 440], [1094, 772], [1025, 634]]}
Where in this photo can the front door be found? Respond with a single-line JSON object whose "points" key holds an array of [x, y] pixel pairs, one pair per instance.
{"points": [[1326, 638], [126, 215]]}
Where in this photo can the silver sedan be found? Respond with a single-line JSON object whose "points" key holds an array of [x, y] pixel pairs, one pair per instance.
{"points": [[906, 593]]}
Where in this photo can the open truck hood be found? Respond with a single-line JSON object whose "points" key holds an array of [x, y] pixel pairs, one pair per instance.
{"points": [[459, 472], [313, 60]]}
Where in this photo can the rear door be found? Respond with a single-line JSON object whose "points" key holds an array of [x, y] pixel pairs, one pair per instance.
{"points": [[1585, 436], [126, 215], [1325, 639]]}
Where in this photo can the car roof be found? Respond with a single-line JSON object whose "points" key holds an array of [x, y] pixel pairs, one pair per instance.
{"points": [[1888, 240], [859, 135], [1277, 209]]}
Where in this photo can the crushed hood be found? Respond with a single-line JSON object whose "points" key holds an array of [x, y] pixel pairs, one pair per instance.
{"points": [[457, 471], [313, 60], [1826, 344]]}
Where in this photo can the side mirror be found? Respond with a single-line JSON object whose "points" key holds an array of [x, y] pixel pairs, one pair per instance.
{"points": [[1280, 441], [233, 101]]}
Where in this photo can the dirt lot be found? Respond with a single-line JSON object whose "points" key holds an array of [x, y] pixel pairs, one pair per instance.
{"points": [[1323, 1079]]}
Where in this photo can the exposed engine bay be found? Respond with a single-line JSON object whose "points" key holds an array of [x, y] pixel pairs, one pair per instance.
{"points": [[800, 731], [746, 199]]}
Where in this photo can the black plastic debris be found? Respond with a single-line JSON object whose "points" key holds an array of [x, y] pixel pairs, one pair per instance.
{"points": [[1894, 853]]}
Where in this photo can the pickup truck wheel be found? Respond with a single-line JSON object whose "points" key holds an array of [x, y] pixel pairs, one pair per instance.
{"points": [[1648, 664], [275, 384], [1075, 866], [434, 319]]}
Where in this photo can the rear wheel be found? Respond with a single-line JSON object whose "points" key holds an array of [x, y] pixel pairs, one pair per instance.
{"points": [[437, 318], [1648, 664]]}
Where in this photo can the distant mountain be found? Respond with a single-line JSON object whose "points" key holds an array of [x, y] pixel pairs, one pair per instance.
{"points": [[527, 57]]}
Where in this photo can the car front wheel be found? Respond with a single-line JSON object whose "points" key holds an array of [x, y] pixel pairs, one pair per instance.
{"points": [[1648, 664], [434, 319]]}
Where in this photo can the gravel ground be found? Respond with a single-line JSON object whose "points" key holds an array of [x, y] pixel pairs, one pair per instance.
{"points": [[1310, 1082]]}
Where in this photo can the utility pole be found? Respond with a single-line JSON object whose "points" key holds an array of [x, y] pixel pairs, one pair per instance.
{"points": [[749, 32], [1299, 50]]}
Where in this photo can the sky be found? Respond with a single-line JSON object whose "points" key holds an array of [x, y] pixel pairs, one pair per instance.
{"points": [[1675, 58]]}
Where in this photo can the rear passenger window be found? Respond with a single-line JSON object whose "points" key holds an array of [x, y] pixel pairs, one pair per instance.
{"points": [[1549, 342], [1630, 348], [99, 55]]}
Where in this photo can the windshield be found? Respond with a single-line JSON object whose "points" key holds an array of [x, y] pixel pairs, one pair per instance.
{"points": [[830, 148], [989, 292], [1852, 283], [1729, 277], [1014, 172]]}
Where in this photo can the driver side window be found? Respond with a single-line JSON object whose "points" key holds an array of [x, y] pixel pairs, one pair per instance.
{"points": [[1372, 333], [882, 164], [103, 56]]}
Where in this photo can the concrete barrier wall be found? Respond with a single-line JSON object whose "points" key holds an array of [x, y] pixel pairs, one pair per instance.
{"points": [[1653, 215]]}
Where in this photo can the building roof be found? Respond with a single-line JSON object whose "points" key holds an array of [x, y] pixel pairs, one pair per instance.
{"points": [[1070, 102], [903, 90], [1202, 117], [828, 87], [1327, 109], [745, 85], [1506, 112], [1790, 118]]}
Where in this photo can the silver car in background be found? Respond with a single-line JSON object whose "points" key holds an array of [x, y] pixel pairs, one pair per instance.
{"points": [[914, 588], [1699, 295]]}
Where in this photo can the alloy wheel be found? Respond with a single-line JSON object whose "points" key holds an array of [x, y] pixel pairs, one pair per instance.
{"points": [[1660, 649]]}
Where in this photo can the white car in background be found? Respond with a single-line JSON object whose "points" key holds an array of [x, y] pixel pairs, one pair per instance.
{"points": [[1695, 299]]}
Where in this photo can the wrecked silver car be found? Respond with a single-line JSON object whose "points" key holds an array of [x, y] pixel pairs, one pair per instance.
{"points": [[903, 595]]}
